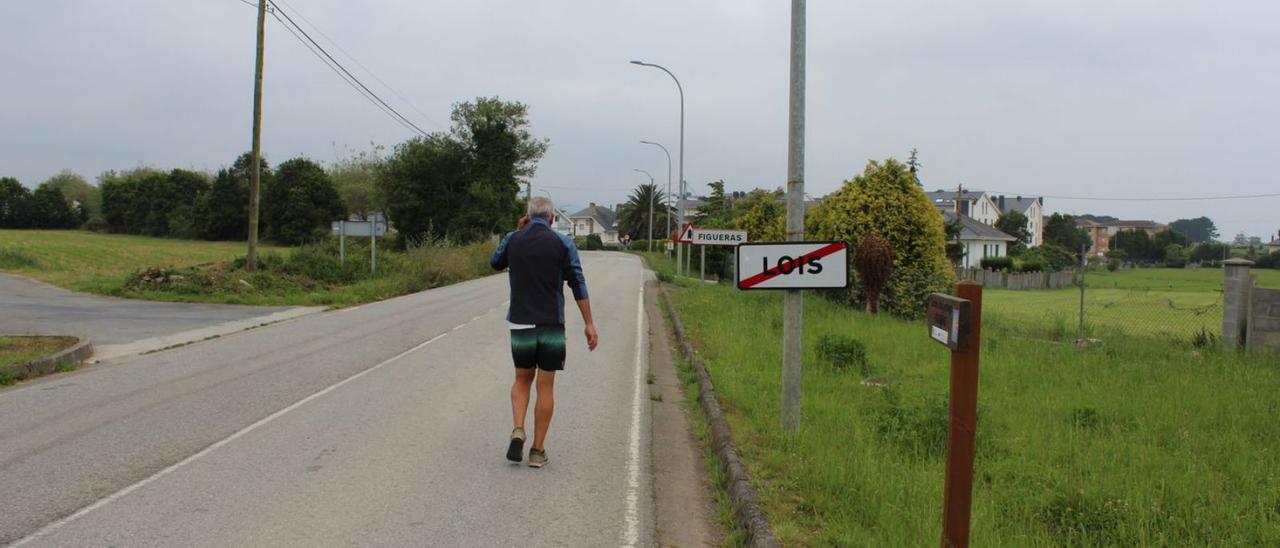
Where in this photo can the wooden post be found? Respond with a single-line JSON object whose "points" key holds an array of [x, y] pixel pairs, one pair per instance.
{"points": [[957, 491], [255, 170]]}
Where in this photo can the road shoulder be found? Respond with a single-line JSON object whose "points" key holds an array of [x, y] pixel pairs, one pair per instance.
{"points": [[685, 510]]}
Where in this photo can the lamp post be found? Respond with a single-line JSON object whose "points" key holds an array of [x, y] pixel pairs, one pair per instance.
{"points": [[679, 87], [669, 208], [652, 194]]}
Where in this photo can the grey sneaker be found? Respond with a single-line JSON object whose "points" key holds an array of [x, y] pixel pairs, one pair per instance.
{"points": [[515, 452], [537, 459]]}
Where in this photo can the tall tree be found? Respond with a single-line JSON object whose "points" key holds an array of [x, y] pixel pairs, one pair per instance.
{"points": [[354, 178], [300, 202], [1198, 230], [1015, 224], [82, 196], [760, 213], [464, 183], [49, 209], [1061, 230], [715, 211], [913, 165], [15, 204], [1136, 246], [633, 216]]}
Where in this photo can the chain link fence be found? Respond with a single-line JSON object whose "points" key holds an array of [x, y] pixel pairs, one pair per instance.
{"points": [[1177, 306]]}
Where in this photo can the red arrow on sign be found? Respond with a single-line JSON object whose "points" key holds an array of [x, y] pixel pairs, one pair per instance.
{"points": [[775, 271]]}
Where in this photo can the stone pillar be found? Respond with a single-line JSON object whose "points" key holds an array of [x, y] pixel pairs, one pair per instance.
{"points": [[1236, 288]]}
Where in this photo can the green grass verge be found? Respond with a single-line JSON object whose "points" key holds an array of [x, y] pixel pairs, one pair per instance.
{"points": [[211, 272], [1132, 442], [20, 350]]}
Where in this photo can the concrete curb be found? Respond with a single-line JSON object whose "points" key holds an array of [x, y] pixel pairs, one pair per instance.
{"points": [[78, 353], [154, 344], [742, 494]]}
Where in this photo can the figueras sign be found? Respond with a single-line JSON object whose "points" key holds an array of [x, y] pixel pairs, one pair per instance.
{"points": [[711, 236]]}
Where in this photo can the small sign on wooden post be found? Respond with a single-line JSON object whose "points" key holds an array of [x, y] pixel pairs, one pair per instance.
{"points": [[956, 322]]}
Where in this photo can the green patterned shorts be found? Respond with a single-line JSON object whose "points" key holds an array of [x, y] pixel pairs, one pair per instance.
{"points": [[541, 347]]}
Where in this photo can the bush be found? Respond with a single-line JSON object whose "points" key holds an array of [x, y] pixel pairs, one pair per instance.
{"points": [[150, 202], [1113, 265], [886, 201], [1032, 265], [299, 203], [998, 263], [14, 200], [1268, 261], [844, 352], [590, 242], [1053, 257], [873, 260]]}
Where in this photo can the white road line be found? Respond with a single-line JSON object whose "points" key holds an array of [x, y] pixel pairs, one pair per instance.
{"points": [[50, 528], [460, 326], [631, 535]]}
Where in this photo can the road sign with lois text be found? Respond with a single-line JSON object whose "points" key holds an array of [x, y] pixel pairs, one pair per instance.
{"points": [[793, 265]]}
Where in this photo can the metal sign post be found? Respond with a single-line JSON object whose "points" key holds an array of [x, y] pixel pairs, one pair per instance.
{"points": [[702, 264], [956, 322], [372, 229], [342, 243]]}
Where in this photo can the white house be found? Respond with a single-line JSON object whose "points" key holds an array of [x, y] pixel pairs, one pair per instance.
{"points": [[594, 219], [1032, 208], [980, 240], [974, 204], [986, 208]]}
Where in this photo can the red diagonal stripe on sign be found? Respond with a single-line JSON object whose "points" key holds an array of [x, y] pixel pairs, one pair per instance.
{"points": [[804, 259]]}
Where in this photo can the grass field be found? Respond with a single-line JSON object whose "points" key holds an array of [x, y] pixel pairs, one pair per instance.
{"points": [[98, 263], [1132, 442], [1169, 304], [108, 264]]}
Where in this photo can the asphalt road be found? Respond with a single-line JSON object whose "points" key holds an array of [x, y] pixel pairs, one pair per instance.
{"points": [[35, 308], [384, 424]]}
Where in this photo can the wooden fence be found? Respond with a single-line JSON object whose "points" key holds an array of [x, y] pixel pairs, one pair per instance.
{"points": [[1018, 280]]}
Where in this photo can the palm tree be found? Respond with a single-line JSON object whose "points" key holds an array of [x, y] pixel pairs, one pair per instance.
{"points": [[633, 216]]}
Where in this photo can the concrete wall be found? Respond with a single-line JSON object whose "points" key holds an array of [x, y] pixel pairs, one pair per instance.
{"points": [[1237, 287], [1264, 320]]}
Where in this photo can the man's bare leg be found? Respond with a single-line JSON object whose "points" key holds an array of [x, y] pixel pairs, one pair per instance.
{"points": [[520, 396], [543, 410]]}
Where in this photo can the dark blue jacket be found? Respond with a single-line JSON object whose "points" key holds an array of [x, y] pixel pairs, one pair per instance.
{"points": [[541, 261]]}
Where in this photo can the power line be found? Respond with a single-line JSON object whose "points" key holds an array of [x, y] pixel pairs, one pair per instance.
{"points": [[338, 72], [359, 64], [392, 111], [1139, 199]]}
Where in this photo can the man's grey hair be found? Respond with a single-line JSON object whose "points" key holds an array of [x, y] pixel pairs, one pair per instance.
{"points": [[542, 207]]}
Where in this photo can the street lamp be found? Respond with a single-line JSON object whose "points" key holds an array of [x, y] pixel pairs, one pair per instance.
{"points": [[680, 204], [669, 208], [652, 194]]}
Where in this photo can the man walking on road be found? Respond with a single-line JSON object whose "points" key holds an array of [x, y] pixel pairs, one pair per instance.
{"points": [[541, 261]]}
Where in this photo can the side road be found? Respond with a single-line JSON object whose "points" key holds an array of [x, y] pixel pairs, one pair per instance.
{"points": [[120, 327]]}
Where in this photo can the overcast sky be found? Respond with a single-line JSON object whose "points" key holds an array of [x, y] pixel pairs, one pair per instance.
{"points": [[1141, 98]]}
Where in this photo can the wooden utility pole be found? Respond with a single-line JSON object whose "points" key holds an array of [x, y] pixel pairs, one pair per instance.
{"points": [[255, 170]]}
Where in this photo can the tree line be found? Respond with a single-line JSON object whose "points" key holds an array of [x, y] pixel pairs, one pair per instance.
{"points": [[461, 184]]}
